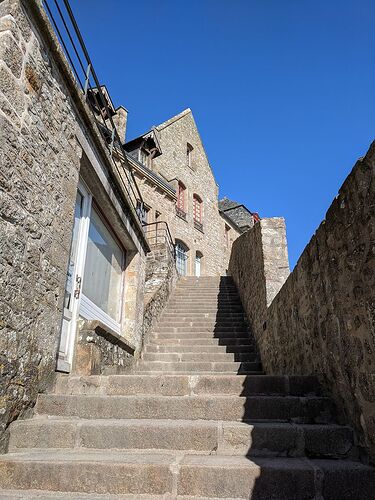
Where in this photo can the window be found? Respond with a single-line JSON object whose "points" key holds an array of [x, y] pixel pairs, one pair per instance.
{"points": [[181, 257], [181, 201], [197, 208], [197, 212], [189, 154], [103, 268]]}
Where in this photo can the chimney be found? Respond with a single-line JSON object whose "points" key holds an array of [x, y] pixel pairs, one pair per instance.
{"points": [[120, 119]]}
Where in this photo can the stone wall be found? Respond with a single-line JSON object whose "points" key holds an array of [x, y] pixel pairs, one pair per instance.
{"points": [[40, 160], [259, 266], [45, 125], [100, 351], [322, 321], [161, 279]]}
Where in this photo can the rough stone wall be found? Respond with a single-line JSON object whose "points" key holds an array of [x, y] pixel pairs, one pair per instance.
{"points": [[259, 267], [40, 159], [199, 179], [100, 352], [161, 279], [322, 321]]}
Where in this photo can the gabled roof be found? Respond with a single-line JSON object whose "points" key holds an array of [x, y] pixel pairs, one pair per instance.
{"points": [[173, 119]]}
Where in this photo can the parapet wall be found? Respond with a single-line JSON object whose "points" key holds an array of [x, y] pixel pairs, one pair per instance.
{"points": [[322, 321]]}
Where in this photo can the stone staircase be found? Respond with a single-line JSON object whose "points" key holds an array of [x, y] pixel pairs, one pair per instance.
{"points": [[196, 419]]}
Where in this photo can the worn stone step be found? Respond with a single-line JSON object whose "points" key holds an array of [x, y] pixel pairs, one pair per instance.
{"points": [[202, 314], [198, 366], [119, 473], [181, 385], [55, 495], [201, 306], [199, 335], [286, 408], [178, 348], [201, 328], [275, 478], [175, 357], [88, 471], [196, 298], [213, 322], [214, 437], [196, 339]]}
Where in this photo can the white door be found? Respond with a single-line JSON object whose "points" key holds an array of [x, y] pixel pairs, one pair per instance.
{"points": [[197, 265], [74, 279], [94, 285]]}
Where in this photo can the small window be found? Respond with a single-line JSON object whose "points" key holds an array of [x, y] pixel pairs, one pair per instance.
{"points": [[197, 209], [181, 201], [189, 154]]}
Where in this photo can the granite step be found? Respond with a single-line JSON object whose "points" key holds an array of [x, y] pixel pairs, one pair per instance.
{"points": [[199, 366], [119, 473], [183, 385], [200, 335], [178, 348], [209, 437], [306, 410], [205, 357], [197, 339], [201, 328]]}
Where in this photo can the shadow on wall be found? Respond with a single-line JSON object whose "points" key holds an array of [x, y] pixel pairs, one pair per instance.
{"points": [[288, 444]]}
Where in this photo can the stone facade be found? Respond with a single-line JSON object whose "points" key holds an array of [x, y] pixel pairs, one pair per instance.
{"points": [[322, 320], [212, 242], [48, 141]]}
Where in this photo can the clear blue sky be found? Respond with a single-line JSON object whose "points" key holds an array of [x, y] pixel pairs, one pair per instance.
{"points": [[283, 91]]}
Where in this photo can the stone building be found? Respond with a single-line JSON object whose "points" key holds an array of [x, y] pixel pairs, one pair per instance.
{"points": [[119, 377], [72, 245], [179, 187], [78, 290]]}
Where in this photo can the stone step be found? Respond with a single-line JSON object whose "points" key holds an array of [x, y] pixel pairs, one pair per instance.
{"points": [[178, 348], [209, 322], [199, 366], [286, 408], [200, 340], [202, 317], [183, 385], [210, 437], [176, 357], [200, 335], [119, 473], [88, 471], [209, 297], [201, 328], [201, 306]]}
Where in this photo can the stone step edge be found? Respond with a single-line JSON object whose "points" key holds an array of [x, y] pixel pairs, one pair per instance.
{"points": [[186, 384], [176, 474], [224, 437]]}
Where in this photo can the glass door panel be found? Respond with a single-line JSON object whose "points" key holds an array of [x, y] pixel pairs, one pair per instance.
{"points": [[102, 283]]}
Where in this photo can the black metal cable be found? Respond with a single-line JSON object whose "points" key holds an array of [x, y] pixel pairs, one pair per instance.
{"points": [[62, 42], [136, 193], [70, 37]]}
